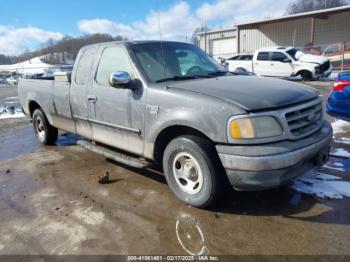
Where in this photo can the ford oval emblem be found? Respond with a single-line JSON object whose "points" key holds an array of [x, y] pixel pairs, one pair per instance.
{"points": [[311, 117]]}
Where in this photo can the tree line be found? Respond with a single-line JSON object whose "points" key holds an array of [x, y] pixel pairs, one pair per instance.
{"points": [[63, 51]]}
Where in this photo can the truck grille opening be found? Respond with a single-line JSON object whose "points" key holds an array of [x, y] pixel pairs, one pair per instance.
{"points": [[305, 121]]}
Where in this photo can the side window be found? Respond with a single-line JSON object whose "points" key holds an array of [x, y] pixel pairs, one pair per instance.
{"points": [[263, 56], [246, 57], [113, 59], [278, 56], [84, 66]]}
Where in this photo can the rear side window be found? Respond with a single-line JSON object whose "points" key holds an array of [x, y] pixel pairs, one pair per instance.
{"points": [[278, 56], [264, 56], [246, 57], [84, 66], [113, 59]]}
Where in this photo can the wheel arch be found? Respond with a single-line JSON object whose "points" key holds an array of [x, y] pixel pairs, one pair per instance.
{"points": [[32, 106], [171, 132]]}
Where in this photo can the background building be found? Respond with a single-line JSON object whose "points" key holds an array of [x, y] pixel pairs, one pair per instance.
{"points": [[324, 32]]}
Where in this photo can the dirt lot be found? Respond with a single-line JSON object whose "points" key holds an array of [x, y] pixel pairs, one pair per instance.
{"points": [[51, 203]]}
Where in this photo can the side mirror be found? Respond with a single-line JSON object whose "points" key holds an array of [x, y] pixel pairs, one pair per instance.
{"points": [[119, 79], [287, 60]]}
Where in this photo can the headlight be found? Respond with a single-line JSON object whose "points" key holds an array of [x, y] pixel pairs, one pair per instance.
{"points": [[254, 127]]}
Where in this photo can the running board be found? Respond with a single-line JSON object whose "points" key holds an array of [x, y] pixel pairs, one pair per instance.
{"points": [[114, 155]]}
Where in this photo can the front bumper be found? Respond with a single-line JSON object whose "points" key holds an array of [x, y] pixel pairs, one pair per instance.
{"points": [[324, 74], [271, 165]]}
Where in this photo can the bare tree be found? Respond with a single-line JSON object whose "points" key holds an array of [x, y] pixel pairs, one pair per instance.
{"points": [[300, 6], [60, 52]]}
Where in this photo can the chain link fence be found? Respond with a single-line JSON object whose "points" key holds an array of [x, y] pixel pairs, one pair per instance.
{"points": [[338, 53]]}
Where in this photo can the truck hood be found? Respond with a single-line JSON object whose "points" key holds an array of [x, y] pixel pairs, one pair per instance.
{"points": [[249, 92], [306, 58]]}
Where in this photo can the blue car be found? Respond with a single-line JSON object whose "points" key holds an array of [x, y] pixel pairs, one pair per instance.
{"points": [[339, 100]]}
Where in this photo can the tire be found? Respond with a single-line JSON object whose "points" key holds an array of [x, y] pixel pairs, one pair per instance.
{"points": [[46, 133], [306, 75], [193, 171]]}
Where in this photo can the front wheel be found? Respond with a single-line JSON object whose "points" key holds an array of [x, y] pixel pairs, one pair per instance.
{"points": [[306, 75], [46, 133], [192, 171]]}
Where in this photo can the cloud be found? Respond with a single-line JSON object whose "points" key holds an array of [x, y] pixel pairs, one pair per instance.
{"points": [[176, 23], [105, 26], [16, 40], [233, 11]]}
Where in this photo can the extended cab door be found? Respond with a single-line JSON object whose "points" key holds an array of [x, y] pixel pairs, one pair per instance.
{"points": [[116, 113], [79, 88], [282, 65]]}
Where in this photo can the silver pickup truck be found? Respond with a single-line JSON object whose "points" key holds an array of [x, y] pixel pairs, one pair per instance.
{"points": [[169, 103]]}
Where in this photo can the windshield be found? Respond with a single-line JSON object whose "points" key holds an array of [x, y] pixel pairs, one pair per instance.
{"points": [[174, 61], [292, 52]]}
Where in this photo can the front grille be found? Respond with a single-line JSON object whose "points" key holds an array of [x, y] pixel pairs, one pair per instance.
{"points": [[305, 120], [324, 67]]}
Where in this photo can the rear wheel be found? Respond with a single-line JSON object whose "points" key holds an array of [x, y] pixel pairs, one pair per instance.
{"points": [[241, 69], [192, 171], [46, 133]]}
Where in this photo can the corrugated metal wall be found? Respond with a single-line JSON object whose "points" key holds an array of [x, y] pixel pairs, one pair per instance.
{"points": [[275, 34], [327, 31], [288, 33], [335, 28]]}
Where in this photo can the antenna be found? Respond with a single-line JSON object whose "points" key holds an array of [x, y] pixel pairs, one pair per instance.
{"points": [[160, 37]]}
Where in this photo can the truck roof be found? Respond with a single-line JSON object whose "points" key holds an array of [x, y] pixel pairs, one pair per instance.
{"points": [[134, 42], [276, 48]]}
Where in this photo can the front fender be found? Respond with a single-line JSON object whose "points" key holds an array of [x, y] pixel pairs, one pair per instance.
{"points": [[205, 114]]}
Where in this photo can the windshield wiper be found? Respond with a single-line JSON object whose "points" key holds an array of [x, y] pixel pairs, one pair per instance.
{"points": [[204, 76], [218, 73], [175, 78]]}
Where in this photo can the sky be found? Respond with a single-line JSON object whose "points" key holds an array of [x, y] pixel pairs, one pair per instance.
{"points": [[25, 25]]}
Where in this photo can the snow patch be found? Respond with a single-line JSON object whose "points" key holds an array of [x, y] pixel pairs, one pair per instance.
{"points": [[343, 140], [322, 185], [14, 112], [15, 115], [334, 167], [341, 152], [340, 126]]}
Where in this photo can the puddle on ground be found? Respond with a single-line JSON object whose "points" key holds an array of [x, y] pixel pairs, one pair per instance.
{"points": [[17, 142], [68, 139]]}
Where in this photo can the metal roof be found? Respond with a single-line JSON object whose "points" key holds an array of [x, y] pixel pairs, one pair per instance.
{"points": [[322, 14]]}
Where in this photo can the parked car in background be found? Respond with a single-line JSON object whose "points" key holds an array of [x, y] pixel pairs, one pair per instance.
{"points": [[169, 103], [241, 57], [2, 80], [282, 62], [12, 80], [339, 100]]}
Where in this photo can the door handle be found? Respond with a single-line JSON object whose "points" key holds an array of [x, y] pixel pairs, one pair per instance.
{"points": [[91, 98]]}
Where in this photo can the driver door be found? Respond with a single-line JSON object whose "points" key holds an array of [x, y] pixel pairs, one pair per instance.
{"points": [[115, 112], [281, 68]]}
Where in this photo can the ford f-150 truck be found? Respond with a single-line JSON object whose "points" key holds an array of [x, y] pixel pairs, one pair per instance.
{"points": [[282, 62], [149, 102]]}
